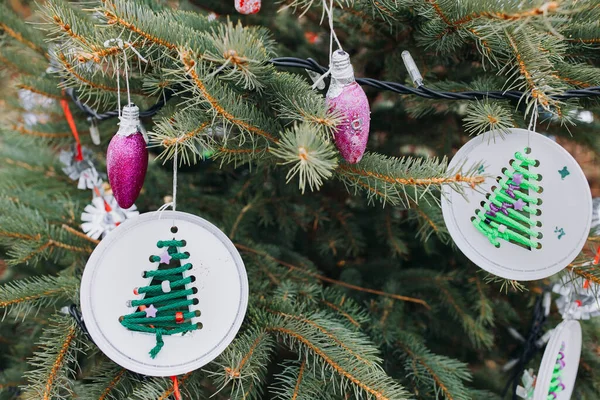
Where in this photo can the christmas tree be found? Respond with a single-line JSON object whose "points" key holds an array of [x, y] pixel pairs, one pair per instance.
{"points": [[355, 288], [506, 213], [165, 307]]}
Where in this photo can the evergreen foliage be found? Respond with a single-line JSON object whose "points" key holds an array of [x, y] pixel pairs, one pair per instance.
{"points": [[356, 291]]}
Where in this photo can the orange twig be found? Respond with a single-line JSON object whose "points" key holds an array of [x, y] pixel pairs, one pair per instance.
{"points": [[24, 131], [299, 380], [20, 38], [235, 373], [79, 234], [474, 180], [333, 281], [189, 64], [112, 384], [58, 363], [373, 392]]}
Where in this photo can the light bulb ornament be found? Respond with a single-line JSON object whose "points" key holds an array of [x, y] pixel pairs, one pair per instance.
{"points": [[127, 158], [346, 97], [127, 155], [247, 7]]}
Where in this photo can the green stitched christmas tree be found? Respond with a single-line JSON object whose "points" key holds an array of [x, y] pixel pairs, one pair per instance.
{"points": [[165, 307], [506, 212]]}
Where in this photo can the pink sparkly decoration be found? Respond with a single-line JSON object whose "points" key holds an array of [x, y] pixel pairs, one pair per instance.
{"points": [[347, 97], [127, 159], [247, 6]]}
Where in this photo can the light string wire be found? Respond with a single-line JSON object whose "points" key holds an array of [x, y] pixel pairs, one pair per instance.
{"points": [[312, 65]]}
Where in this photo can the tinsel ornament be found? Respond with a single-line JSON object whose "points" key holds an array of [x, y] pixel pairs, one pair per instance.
{"points": [[82, 171], [127, 158], [103, 215], [346, 97], [247, 7], [579, 299]]}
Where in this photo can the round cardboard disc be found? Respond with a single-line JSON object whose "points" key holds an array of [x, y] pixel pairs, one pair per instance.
{"points": [[566, 338], [116, 267], [566, 206]]}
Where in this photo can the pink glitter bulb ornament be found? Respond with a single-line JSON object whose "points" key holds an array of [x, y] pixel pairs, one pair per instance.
{"points": [[127, 158], [247, 6], [347, 97]]}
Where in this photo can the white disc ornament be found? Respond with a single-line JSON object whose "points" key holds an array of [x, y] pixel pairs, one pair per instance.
{"points": [[164, 293], [558, 370], [531, 216]]}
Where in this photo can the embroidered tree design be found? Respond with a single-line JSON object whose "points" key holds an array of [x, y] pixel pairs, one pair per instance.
{"points": [[164, 308], [508, 208]]}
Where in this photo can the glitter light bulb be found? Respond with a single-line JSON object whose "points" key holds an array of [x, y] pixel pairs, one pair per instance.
{"points": [[247, 6], [347, 97], [127, 158]]}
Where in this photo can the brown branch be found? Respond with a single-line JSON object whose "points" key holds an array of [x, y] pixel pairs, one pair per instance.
{"points": [[326, 333], [24, 131], [20, 38], [341, 371], [4, 304], [235, 372], [58, 363], [472, 180], [333, 281], [535, 93], [71, 69], [339, 310], [438, 381], [184, 138], [67, 29], [584, 274], [79, 234], [189, 64], [299, 380], [113, 19], [112, 384], [34, 90]]}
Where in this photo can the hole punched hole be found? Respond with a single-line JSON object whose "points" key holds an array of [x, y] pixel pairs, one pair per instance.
{"points": [[540, 235], [538, 224], [174, 229], [527, 150], [183, 243], [194, 290], [539, 177], [482, 204], [537, 163], [539, 202], [538, 212], [193, 278], [195, 302], [539, 246], [473, 219], [199, 325], [540, 190], [150, 258], [187, 253]]}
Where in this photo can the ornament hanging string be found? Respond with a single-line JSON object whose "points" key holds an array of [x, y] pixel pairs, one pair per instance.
{"points": [[332, 37], [172, 203]]}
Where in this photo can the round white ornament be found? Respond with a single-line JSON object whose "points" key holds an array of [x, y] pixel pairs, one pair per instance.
{"points": [[120, 265], [562, 353], [553, 196]]}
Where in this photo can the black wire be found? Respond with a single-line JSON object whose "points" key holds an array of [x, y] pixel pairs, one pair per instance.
{"points": [[312, 65]]}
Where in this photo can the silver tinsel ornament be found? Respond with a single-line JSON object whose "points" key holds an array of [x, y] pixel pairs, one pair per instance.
{"points": [[579, 299], [103, 215], [82, 171]]}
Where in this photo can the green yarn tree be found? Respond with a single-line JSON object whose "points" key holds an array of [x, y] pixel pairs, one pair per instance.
{"points": [[165, 307], [506, 212]]}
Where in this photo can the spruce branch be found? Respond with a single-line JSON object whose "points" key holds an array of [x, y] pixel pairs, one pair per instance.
{"points": [[243, 365], [28, 295], [327, 279], [403, 180], [54, 364], [313, 158], [351, 375], [20, 31], [444, 375]]}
